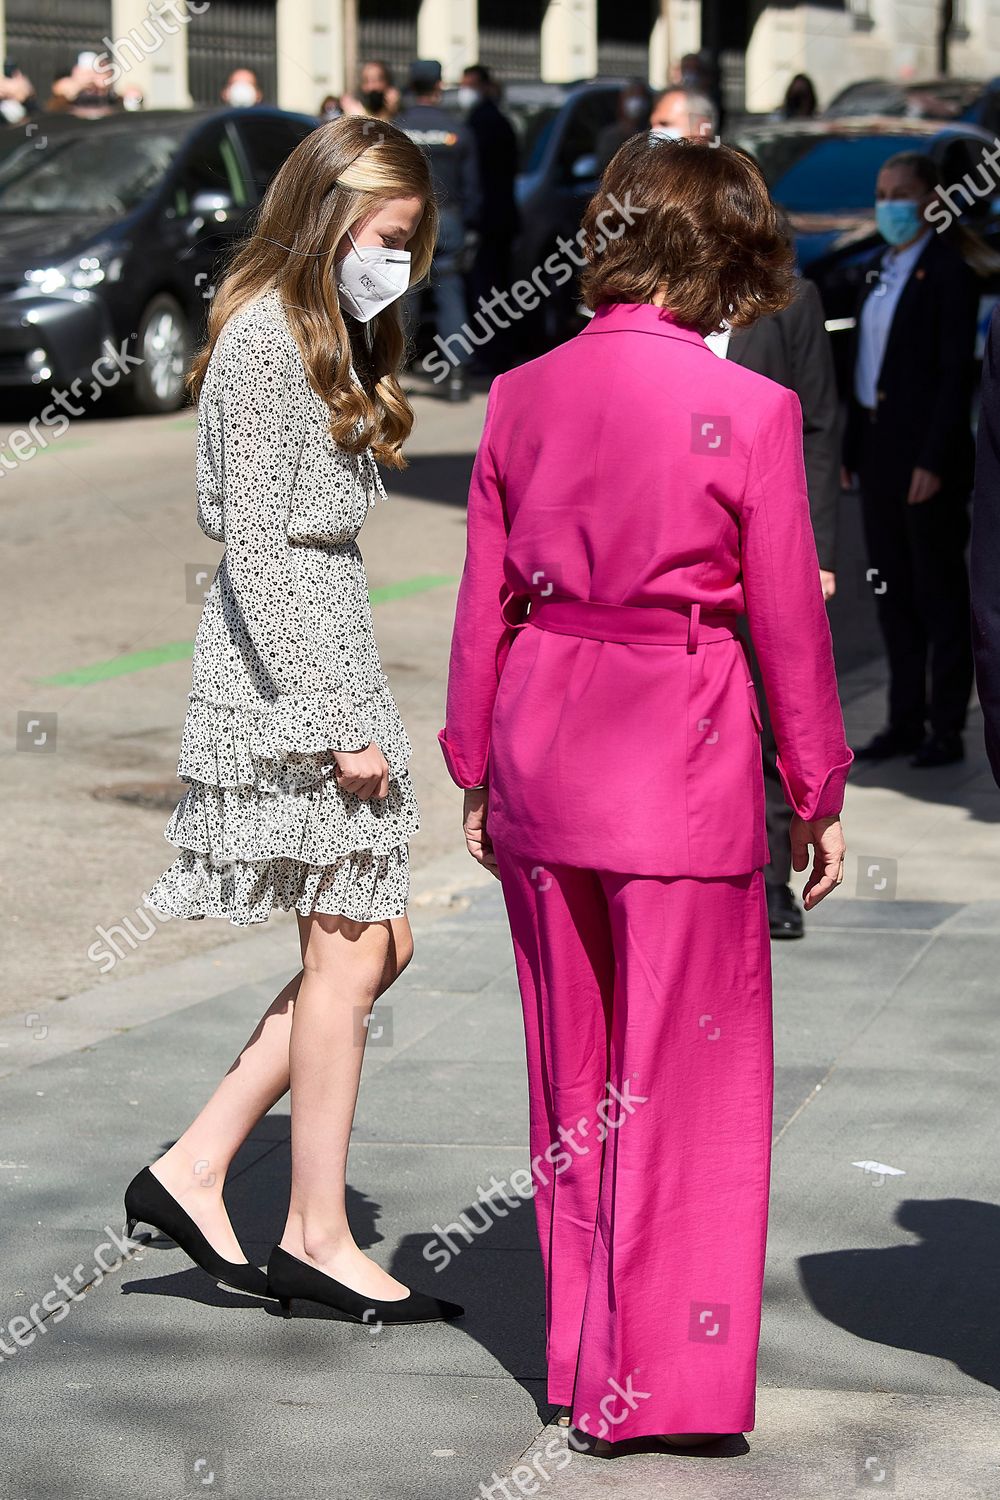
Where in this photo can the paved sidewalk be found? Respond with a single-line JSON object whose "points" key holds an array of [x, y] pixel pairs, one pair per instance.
{"points": [[879, 1357]]}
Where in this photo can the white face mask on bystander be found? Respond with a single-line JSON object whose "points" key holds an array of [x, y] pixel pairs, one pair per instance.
{"points": [[371, 278]]}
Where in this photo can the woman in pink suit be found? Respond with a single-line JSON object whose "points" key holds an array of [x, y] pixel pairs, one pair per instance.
{"points": [[632, 495]]}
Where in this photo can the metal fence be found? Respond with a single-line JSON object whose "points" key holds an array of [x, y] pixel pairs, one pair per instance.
{"points": [[387, 29], [232, 34], [624, 28], [43, 37], [510, 37]]}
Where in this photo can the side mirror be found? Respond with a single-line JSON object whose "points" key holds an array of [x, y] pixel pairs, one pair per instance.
{"points": [[584, 167]]}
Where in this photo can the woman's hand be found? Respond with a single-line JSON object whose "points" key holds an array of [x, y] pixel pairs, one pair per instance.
{"points": [[363, 772], [477, 840], [826, 837], [923, 486]]}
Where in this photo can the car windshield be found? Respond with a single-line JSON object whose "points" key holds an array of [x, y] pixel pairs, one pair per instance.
{"points": [[817, 174], [106, 175]]}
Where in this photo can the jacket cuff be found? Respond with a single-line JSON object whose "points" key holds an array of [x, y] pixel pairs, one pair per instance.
{"points": [[826, 801], [319, 721], [462, 772]]}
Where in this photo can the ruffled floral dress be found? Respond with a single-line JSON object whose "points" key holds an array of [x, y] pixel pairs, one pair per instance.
{"points": [[286, 669]]}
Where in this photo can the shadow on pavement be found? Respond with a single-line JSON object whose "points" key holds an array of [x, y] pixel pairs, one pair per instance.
{"points": [[939, 1297]]}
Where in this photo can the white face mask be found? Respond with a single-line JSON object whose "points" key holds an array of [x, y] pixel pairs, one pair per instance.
{"points": [[369, 279], [241, 95], [666, 133], [467, 98]]}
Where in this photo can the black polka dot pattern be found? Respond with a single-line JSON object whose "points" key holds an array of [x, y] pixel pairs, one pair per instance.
{"points": [[286, 669]]}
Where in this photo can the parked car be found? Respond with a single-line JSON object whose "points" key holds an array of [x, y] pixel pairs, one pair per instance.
{"points": [[559, 176], [928, 99], [823, 174], [114, 229]]}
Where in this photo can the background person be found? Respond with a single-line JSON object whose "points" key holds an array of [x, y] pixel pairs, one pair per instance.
{"points": [[683, 114], [800, 101], [242, 89], [985, 550], [377, 96], [909, 442], [87, 90], [634, 104], [632, 495], [17, 95], [454, 164], [497, 157], [793, 347]]}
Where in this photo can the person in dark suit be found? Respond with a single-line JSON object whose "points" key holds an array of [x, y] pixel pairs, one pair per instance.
{"points": [[500, 220], [793, 348], [985, 551], [909, 442]]}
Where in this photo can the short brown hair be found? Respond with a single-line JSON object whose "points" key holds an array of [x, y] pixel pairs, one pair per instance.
{"points": [[695, 219]]}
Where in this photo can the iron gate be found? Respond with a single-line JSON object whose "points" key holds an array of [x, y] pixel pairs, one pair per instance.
{"points": [[510, 37], [387, 30], [624, 28], [44, 36], [232, 34]]}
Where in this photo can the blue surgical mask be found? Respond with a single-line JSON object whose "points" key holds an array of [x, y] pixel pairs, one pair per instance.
{"points": [[899, 220]]}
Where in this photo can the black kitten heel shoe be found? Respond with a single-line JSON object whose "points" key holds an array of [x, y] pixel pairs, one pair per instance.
{"points": [[148, 1202], [290, 1277]]}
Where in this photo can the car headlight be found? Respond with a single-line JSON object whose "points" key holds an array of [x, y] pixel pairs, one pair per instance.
{"points": [[98, 264]]}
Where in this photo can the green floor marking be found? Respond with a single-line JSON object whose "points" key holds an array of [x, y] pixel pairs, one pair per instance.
{"points": [[158, 656]]}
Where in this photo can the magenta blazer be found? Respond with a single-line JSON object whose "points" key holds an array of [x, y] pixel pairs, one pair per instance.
{"points": [[632, 467]]}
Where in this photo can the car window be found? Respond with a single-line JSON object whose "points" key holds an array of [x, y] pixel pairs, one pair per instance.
{"points": [[211, 166], [824, 174], [268, 143], [104, 173], [589, 114]]}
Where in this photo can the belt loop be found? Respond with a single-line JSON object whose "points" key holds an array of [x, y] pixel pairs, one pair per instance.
{"points": [[692, 641]]}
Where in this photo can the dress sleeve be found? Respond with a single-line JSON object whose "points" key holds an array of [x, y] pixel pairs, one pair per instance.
{"points": [[787, 617], [263, 429], [480, 628]]}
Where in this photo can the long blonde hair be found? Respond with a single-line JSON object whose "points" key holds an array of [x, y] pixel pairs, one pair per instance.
{"points": [[335, 179]]}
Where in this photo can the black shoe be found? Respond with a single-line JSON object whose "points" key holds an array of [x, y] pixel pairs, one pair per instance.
{"points": [[887, 743], [147, 1201], [784, 914], [940, 750], [290, 1277]]}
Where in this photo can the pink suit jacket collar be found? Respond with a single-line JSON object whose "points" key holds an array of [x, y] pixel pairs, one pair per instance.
{"points": [[640, 317]]}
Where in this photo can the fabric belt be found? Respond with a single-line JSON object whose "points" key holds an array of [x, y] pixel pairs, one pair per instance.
{"points": [[630, 624]]}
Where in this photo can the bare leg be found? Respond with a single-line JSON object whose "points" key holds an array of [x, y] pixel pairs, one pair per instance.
{"points": [[194, 1169], [343, 966]]}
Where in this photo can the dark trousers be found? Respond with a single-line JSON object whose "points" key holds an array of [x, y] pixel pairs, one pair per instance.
{"points": [[921, 586], [777, 813]]}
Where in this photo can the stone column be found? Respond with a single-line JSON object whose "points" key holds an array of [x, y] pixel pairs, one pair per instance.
{"points": [[312, 37], [449, 31], [569, 40], [148, 48]]}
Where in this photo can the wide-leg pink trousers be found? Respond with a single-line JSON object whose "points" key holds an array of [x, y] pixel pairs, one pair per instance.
{"points": [[647, 1014]]}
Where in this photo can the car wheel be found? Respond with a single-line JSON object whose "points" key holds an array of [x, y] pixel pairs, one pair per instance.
{"points": [[163, 344]]}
